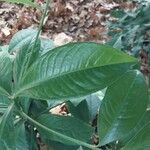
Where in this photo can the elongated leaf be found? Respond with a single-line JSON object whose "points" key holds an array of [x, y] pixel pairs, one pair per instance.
{"points": [[26, 2], [64, 125], [5, 73], [141, 140], [7, 128], [73, 70], [124, 104], [21, 139], [24, 58], [21, 38]]}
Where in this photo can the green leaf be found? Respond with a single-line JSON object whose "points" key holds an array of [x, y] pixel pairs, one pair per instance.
{"points": [[21, 38], [5, 73], [4, 103], [66, 126], [73, 70], [4, 48], [25, 2], [7, 128], [93, 102], [80, 111], [3, 146], [37, 107], [142, 123], [141, 140], [21, 139], [124, 104], [25, 104], [53, 145], [24, 58], [46, 45]]}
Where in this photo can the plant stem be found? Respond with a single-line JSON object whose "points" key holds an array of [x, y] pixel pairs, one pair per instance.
{"points": [[37, 36], [59, 134], [41, 23]]}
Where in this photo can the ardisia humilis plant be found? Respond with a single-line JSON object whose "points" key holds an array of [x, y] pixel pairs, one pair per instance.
{"points": [[95, 81]]}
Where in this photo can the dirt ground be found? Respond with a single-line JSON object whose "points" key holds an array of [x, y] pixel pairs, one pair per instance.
{"points": [[67, 20]]}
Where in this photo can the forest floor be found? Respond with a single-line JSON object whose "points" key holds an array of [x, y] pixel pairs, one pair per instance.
{"points": [[67, 20]]}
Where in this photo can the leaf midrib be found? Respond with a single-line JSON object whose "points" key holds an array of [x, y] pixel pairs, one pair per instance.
{"points": [[34, 84]]}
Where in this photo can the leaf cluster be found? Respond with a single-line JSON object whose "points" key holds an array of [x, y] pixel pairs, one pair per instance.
{"points": [[131, 31]]}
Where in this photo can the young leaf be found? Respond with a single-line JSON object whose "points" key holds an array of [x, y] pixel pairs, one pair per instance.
{"points": [[5, 73], [21, 38], [7, 128], [66, 126], [24, 58], [124, 104], [73, 70]]}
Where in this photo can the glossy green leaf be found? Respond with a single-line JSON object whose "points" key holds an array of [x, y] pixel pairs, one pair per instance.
{"points": [[7, 128], [21, 138], [123, 106], [21, 38], [73, 70], [66, 126], [25, 2], [5, 73], [141, 140], [24, 58]]}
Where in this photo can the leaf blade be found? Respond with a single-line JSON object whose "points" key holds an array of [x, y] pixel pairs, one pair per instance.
{"points": [[63, 68], [121, 110]]}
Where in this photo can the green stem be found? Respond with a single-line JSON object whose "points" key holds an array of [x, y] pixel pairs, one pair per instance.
{"points": [[41, 23], [59, 134], [38, 34]]}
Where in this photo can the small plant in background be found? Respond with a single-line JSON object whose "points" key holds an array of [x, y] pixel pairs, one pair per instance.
{"points": [[131, 33], [95, 81]]}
